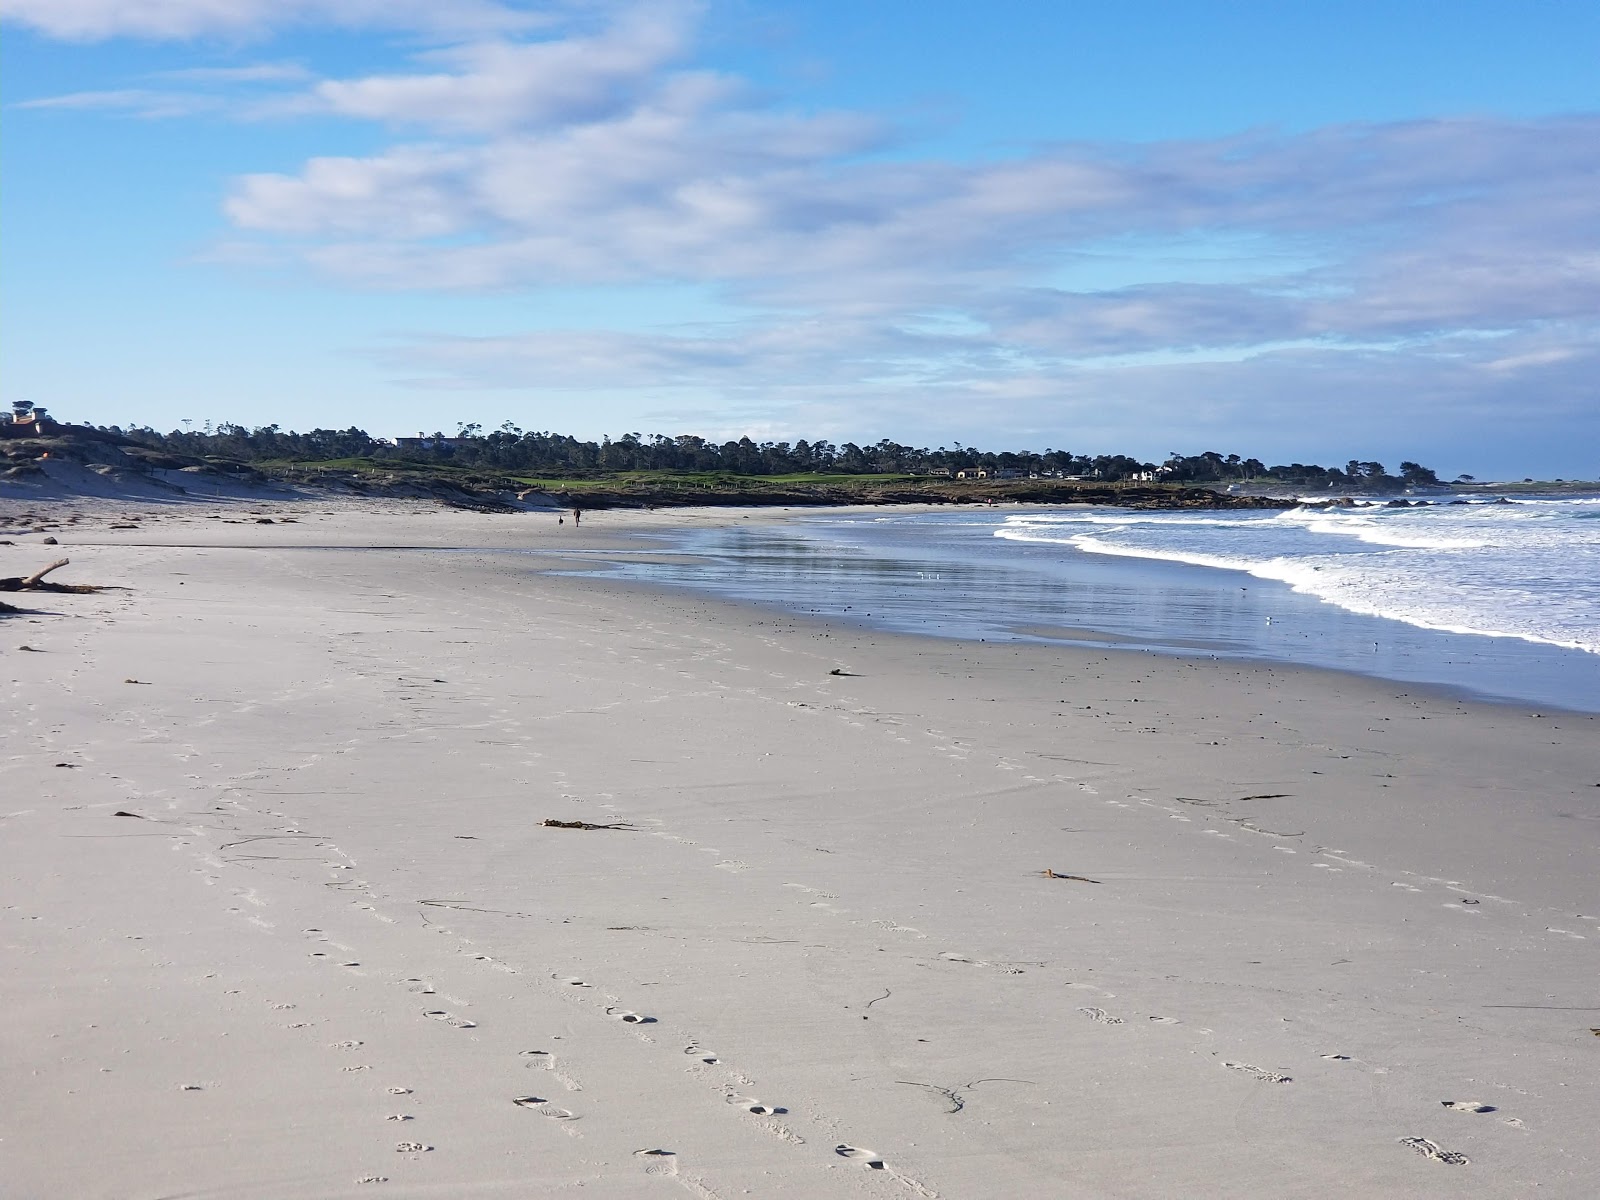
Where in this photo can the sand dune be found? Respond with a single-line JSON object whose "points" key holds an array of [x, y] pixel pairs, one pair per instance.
{"points": [[284, 917]]}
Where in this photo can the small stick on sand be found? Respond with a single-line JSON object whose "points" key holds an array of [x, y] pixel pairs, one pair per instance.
{"points": [[554, 824], [1049, 874]]}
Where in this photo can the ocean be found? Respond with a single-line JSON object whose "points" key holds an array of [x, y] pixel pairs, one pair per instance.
{"points": [[1496, 600]]}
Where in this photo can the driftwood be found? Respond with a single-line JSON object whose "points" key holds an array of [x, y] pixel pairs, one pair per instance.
{"points": [[554, 824], [36, 581], [1049, 874]]}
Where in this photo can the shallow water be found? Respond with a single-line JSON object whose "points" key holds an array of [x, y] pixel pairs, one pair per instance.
{"points": [[1110, 577]]}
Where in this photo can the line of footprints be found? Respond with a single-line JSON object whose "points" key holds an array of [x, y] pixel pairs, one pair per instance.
{"points": [[657, 1161], [662, 1162], [1421, 1145]]}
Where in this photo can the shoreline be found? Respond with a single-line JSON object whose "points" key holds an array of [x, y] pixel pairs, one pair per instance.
{"points": [[1151, 604], [848, 911], [659, 549]]}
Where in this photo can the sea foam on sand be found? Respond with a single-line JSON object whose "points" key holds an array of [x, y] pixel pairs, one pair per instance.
{"points": [[829, 912]]}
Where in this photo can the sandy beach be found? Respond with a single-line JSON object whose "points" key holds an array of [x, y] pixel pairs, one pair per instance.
{"points": [[860, 914]]}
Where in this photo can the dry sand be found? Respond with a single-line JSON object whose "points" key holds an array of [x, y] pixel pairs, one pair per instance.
{"points": [[1341, 939]]}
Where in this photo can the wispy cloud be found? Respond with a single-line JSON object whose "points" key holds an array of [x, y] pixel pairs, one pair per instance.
{"points": [[234, 90], [150, 103], [93, 20], [253, 73], [1417, 228], [495, 86]]}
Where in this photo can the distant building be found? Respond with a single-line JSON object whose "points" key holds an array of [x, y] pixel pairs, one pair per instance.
{"points": [[973, 473], [26, 420]]}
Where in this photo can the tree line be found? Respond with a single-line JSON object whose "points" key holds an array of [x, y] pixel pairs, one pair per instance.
{"points": [[515, 451]]}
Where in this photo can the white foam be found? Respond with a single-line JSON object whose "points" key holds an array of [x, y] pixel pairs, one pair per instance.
{"points": [[1529, 570]]}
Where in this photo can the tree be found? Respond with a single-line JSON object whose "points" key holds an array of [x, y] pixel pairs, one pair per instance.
{"points": [[1416, 473]]}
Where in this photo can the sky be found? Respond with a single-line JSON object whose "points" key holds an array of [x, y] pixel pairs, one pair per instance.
{"points": [[1296, 231]]}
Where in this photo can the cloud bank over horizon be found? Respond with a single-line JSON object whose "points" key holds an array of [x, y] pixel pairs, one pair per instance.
{"points": [[1421, 283]]}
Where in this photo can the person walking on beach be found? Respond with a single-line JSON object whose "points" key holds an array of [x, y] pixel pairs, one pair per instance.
{"points": [[577, 516]]}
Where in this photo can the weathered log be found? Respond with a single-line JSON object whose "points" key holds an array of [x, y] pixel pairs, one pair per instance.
{"points": [[33, 580], [36, 582]]}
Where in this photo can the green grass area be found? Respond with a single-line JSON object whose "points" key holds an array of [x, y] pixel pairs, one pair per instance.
{"points": [[706, 481], [668, 486]]}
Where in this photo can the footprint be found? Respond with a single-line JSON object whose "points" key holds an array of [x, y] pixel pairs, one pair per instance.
{"points": [[702, 1054], [1431, 1150], [1471, 1106], [867, 1158], [1101, 1015], [346, 1045], [629, 1018], [751, 1104], [1166, 1020], [399, 1091], [571, 980], [420, 987], [411, 1148], [659, 1162], [544, 1108], [1337, 1057], [1259, 1073], [438, 1014], [398, 1117]]}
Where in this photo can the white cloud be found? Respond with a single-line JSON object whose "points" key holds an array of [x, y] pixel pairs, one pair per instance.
{"points": [[1416, 227], [93, 20], [499, 85], [139, 102], [253, 73], [224, 90]]}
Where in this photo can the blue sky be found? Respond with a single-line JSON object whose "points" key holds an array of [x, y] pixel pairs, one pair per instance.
{"points": [[1295, 231]]}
